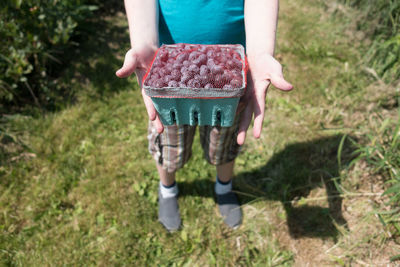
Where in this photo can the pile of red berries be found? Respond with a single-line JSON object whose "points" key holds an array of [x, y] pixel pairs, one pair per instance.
{"points": [[196, 66]]}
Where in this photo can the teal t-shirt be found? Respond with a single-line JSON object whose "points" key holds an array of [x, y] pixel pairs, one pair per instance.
{"points": [[202, 21]]}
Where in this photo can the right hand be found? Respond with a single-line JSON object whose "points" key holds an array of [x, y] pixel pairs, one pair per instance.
{"points": [[264, 70], [138, 60]]}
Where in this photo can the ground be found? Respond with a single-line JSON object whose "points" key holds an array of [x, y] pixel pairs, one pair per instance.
{"points": [[79, 187]]}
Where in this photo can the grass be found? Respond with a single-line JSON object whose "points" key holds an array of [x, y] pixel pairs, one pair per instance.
{"points": [[378, 21], [382, 154], [78, 186]]}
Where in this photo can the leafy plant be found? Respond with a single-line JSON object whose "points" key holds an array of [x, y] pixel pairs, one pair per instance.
{"points": [[35, 35]]}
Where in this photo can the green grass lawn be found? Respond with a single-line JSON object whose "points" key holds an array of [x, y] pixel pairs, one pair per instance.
{"points": [[78, 186]]}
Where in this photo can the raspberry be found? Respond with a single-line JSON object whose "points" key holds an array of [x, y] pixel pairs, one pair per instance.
{"points": [[148, 82], [200, 60], [236, 83], [166, 79], [157, 63], [196, 83], [163, 55], [169, 67], [181, 57], [204, 70], [217, 69], [228, 74], [186, 77], [204, 79], [155, 70], [236, 55], [216, 49], [175, 74], [237, 73], [230, 64], [154, 75], [203, 49], [173, 53], [226, 78], [173, 84], [159, 83], [223, 58], [194, 55], [193, 83], [237, 77], [180, 46], [194, 68], [237, 64], [184, 69], [190, 83], [177, 66], [164, 72], [211, 54], [218, 81], [210, 63]]}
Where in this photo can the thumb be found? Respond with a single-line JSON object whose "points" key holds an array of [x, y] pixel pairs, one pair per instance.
{"points": [[129, 66], [279, 82]]}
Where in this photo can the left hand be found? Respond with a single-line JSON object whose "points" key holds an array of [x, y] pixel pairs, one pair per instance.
{"points": [[264, 69], [138, 59]]}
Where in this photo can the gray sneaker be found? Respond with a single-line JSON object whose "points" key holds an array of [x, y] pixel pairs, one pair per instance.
{"points": [[229, 209], [168, 212]]}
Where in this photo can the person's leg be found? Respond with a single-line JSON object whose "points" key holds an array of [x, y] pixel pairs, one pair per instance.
{"points": [[225, 171], [168, 187], [166, 178], [171, 150], [168, 209], [220, 149], [223, 181], [228, 203]]}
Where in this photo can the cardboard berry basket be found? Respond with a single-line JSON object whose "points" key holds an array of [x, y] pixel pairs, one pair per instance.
{"points": [[197, 84]]}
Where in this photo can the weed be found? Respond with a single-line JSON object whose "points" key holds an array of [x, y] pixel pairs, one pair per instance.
{"points": [[380, 20], [382, 153]]}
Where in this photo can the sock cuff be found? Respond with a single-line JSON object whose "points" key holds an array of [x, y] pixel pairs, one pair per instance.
{"points": [[223, 183], [223, 188], [169, 186], [170, 191]]}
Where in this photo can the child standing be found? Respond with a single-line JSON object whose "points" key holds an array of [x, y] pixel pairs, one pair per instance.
{"points": [[251, 23]]}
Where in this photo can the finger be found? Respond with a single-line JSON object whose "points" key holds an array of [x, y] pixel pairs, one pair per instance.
{"points": [[279, 82], [140, 73], [129, 66], [244, 123], [151, 111], [259, 106], [241, 106], [158, 124]]}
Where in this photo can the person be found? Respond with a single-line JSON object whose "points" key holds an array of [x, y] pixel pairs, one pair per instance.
{"points": [[249, 22]]}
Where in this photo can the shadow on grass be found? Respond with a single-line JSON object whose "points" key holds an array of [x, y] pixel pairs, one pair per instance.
{"points": [[289, 176], [95, 60]]}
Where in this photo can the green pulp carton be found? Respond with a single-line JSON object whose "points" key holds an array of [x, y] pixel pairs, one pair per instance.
{"points": [[189, 103]]}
